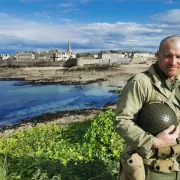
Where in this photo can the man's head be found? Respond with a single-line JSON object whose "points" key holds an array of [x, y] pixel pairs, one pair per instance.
{"points": [[169, 56]]}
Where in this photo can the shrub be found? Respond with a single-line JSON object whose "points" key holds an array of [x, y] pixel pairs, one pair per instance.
{"points": [[79, 151]]}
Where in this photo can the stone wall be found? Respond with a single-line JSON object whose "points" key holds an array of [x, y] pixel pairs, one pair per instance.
{"points": [[15, 63], [142, 60], [82, 61]]}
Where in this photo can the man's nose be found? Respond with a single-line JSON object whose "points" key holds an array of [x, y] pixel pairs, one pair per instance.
{"points": [[174, 60]]}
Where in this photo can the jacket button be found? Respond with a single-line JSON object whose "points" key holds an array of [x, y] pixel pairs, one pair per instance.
{"points": [[157, 168]]}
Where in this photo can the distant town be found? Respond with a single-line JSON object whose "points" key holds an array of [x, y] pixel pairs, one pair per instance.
{"points": [[68, 58]]}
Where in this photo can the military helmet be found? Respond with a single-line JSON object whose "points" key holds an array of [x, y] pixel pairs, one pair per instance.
{"points": [[156, 116]]}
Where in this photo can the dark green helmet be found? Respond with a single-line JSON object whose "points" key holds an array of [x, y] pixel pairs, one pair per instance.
{"points": [[156, 117]]}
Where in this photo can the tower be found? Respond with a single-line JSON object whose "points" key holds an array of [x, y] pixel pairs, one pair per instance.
{"points": [[69, 50]]}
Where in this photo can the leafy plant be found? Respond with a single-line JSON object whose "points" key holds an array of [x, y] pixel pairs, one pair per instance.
{"points": [[84, 150], [101, 138]]}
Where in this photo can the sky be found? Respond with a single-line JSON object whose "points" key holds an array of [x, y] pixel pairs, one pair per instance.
{"points": [[89, 25]]}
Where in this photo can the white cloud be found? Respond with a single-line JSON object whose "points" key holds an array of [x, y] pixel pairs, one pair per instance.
{"points": [[66, 20], [65, 5], [84, 1], [153, 1], [4, 15], [29, 1], [171, 16], [20, 34], [25, 0], [44, 14], [172, 2]]}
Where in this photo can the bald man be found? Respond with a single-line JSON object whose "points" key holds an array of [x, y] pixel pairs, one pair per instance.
{"points": [[160, 82]]}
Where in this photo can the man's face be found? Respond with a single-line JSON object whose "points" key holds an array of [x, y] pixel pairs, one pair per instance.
{"points": [[169, 59]]}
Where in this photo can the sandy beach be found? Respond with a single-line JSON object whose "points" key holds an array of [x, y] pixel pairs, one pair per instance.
{"points": [[74, 75], [53, 75]]}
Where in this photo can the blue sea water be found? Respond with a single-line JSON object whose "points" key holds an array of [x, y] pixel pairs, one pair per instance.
{"points": [[18, 103]]}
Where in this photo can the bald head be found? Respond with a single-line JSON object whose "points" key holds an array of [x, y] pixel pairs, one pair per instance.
{"points": [[169, 41]]}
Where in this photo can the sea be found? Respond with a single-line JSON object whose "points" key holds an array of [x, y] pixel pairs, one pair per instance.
{"points": [[20, 102]]}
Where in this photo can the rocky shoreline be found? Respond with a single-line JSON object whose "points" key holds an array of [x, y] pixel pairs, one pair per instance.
{"points": [[61, 118], [55, 75]]}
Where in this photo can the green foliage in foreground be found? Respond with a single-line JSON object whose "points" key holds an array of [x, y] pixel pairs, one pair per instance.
{"points": [[81, 151]]}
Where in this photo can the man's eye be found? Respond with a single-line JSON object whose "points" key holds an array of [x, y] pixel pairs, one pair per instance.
{"points": [[178, 57], [168, 56]]}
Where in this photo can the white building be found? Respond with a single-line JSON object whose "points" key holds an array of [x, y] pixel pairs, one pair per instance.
{"points": [[142, 54], [25, 56], [4, 56], [51, 55]]}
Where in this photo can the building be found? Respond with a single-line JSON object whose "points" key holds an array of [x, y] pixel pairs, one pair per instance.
{"points": [[51, 55], [25, 56], [4, 56]]}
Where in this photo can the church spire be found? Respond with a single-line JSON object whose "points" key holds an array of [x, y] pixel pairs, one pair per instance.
{"points": [[69, 50]]}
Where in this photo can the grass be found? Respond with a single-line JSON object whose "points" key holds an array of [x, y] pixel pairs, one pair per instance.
{"points": [[87, 150], [3, 170]]}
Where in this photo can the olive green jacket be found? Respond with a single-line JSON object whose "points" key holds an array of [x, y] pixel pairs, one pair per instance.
{"points": [[139, 90]]}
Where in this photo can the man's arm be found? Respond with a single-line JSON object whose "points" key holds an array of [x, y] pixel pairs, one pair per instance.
{"points": [[133, 96]]}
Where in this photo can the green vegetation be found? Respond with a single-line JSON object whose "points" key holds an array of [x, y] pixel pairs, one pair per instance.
{"points": [[3, 169], [81, 151], [95, 67]]}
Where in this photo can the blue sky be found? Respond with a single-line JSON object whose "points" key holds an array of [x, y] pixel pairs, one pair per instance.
{"points": [[90, 25]]}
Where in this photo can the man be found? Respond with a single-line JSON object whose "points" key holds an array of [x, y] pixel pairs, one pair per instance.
{"points": [[159, 83]]}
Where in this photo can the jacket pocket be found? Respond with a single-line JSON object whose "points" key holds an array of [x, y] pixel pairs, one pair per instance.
{"points": [[132, 166]]}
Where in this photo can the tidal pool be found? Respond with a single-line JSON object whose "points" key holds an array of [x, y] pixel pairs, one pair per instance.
{"points": [[18, 103]]}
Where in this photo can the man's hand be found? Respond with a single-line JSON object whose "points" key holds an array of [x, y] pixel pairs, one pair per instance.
{"points": [[166, 137]]}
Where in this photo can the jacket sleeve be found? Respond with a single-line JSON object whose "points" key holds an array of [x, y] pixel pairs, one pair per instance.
{"points": [[133, 96]]}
